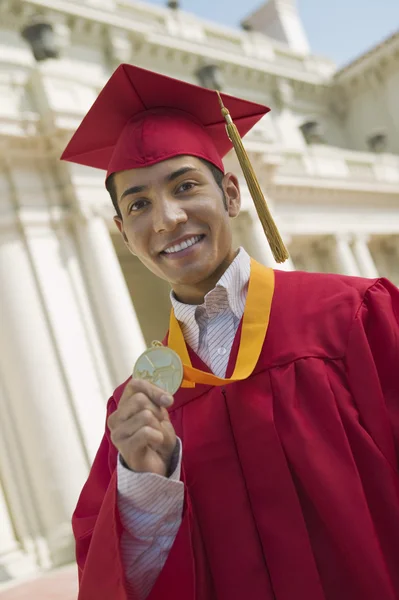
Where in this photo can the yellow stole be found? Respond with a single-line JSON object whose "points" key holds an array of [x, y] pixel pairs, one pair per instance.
{"points": [[254, 327]]}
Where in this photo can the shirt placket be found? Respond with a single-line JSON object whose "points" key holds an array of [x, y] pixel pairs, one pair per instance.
{"points": [[220, 336], [220, 330], [202, 320]]}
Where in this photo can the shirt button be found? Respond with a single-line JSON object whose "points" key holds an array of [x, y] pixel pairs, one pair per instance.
{"points": [[222, 351]]}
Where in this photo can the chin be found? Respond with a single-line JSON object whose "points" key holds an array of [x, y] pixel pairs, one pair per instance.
{"points": [[193, 276]]}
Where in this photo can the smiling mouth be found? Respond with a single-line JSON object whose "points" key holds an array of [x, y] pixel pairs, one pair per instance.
{"points": [[177, 248]]}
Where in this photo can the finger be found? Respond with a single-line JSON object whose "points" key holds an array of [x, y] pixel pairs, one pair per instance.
{"points": [[158, 396], [135, 404], [132, 407], [165, 414], [142, 439], [139, 395], [127, 429]]}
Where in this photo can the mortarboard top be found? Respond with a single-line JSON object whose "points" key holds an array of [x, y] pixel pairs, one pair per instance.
{"points": [[142, 117]]}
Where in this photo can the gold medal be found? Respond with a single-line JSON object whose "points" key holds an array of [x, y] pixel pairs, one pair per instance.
{"points": [[161, 366]]}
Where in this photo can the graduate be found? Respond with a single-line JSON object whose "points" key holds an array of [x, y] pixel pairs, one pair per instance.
{"points": [[272, 472]]}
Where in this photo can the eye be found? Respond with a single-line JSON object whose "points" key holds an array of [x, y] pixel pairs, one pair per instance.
{"points": [[137, 205], [185, 187]]}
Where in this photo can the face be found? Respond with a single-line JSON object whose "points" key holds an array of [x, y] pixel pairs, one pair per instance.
{"points": [[174, 219]]}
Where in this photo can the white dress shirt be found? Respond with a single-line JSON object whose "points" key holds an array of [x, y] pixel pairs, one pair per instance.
{"points": [[151, 506]]}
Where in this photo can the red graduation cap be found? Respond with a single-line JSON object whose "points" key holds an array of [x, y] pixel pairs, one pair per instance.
{"points": [[141, 118]]}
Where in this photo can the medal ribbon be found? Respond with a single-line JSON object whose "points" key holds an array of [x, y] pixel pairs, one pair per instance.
{"points": [[254, 327]]}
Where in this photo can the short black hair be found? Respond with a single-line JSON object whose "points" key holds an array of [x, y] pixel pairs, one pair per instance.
{"points": [[217, 175]]}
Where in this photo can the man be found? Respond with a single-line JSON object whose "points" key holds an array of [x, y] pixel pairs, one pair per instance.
{"points": [[273, 473]]}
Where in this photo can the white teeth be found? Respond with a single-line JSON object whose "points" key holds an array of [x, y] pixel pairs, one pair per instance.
{"points": [[183, 245]]}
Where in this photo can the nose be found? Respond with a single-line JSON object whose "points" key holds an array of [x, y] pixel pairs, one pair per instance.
{"points": [[167, 214]]}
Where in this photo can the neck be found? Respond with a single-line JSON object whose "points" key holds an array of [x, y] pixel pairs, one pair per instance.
{"points": [[195, 294]]}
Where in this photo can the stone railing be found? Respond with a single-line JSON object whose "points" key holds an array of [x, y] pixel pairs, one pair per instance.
{"points": [[326, 162]]}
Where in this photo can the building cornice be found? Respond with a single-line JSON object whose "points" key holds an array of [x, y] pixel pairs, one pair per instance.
{"points": [[134, 24], [381, 57]]}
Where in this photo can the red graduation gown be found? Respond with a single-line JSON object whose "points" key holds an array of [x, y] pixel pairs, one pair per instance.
{"points": [[291, 476]]}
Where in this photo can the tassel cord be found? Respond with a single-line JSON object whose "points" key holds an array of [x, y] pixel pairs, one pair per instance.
{"points": [[279, 251]]}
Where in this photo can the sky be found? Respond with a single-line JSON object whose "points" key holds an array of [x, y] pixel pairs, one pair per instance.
{"points": [[337, 29]]}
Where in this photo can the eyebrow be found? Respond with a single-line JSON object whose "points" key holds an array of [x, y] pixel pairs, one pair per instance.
{"points": [[137, 189]]}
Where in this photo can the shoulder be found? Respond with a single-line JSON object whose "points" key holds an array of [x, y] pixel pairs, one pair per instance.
{"points": [[312, 313], [325, 288]]}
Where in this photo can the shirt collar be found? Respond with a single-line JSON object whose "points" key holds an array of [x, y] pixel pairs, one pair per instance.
{"points": [[234, 281]]}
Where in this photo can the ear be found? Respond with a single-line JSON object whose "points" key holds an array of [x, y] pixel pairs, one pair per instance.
{"points": [[119, 223], [232, 194]]}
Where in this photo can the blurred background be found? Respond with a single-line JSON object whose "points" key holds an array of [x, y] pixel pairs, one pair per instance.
{"points": [[75, 308]]}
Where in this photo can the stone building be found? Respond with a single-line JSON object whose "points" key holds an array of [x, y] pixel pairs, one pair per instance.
{"points": [[75, 308]]}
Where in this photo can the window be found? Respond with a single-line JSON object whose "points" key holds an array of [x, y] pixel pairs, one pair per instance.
{"points": [[312, 132]]}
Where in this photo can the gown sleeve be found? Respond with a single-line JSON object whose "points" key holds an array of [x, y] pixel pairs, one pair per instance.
{"points": [[98, 530], [373, 366]]}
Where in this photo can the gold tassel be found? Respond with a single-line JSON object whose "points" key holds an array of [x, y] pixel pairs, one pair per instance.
{"points": [[276, 243]]}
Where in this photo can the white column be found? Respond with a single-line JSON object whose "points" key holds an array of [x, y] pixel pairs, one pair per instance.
{"points": [[259, 246], [346, 261], [20, 503], [311, 252], [36, 412], [122, 334], [84, 368], [363, 256], [14, 562], [9, 546]]}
